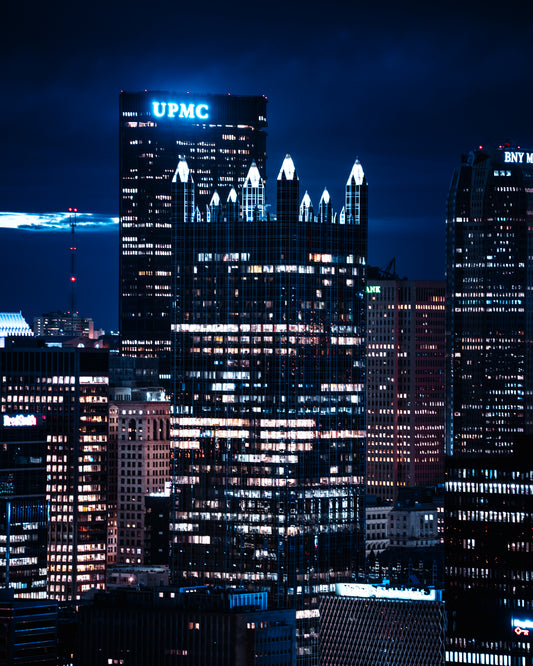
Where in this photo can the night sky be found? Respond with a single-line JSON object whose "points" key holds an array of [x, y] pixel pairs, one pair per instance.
{"points": [[406, 87]]}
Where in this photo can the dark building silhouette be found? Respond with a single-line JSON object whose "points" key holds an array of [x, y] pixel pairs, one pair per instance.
{"points": [[200, 627], [488, 505], [269, 340], [28, 631], [219, 135]]}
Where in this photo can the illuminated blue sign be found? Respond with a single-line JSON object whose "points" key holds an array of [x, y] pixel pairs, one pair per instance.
{"points": [[181, 110], [517, 157]]}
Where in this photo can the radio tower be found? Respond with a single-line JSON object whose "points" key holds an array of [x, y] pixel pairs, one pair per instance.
{"points": [[73, 215]]}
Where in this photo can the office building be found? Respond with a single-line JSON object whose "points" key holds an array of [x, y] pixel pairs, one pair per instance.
{"points": [[269, 340], [63, 324], [140, 441], [405, 386], [54, 411], [488, 503], [376, 624], [197, 626], [219, 135]]}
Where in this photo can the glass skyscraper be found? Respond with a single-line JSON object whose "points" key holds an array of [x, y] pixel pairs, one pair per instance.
{"points": [[219, 135], [268, 383], [489, 487]]}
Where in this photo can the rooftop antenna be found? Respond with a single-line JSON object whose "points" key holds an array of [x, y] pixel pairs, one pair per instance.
{"points": [[73, 215]]}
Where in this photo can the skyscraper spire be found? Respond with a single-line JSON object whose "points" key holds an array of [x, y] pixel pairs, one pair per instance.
{"points": [[214, 209], [324, 207], [253, 194], [183, 192], [287, 170], [306, 209], [232, 206], [288, 192], [356, 200]]}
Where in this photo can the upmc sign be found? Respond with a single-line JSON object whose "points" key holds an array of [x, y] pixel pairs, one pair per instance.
{"points": [[180, 110], [517, 157]]}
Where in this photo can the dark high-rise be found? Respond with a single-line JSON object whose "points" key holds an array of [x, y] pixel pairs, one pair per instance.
{"points": [[489, 501], [269, 340], [219, 135]]}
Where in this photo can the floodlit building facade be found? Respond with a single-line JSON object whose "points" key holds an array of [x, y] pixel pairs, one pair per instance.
{"points": [[488, 505], [269, 359], [219, 135], [405, 386]]}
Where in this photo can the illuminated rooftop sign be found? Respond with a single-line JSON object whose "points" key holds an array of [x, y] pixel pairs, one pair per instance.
{"points": [[373, 289], [180, 110], [517, 157], [365, 591], [20, 420]]}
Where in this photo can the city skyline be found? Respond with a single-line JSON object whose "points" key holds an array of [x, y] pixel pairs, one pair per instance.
{"points": [[406, 89]]}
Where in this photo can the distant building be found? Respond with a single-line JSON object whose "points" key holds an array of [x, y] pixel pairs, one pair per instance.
{"points": [[63, 324], [13, 324], [136, 576], [53, 405], [377, 527], [139, 463], [201, 627], [405, 386], [414, 526], [375, 624], [28, 631], [133, 371]]}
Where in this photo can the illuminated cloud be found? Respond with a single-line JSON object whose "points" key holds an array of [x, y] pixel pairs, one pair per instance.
{"points": [[57, 221]]}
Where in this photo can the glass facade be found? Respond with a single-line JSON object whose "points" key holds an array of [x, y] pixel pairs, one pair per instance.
{"points": [[488, 509], [219, 135], [269, 414]]}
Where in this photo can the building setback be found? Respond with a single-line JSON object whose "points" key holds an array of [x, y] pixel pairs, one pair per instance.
{"points": [[269, 344], [488, 510], [405, 386], [219, 135]]}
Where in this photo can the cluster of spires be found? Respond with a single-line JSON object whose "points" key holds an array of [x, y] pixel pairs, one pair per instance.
{"points": [[253, 195]]}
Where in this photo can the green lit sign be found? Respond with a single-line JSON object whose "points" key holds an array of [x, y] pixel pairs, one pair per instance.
{"points": [[373, 289]]}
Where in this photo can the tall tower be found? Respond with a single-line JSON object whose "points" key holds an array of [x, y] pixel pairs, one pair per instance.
{"points": [[219, 136], [268, 414], [405, 386], [489, 506], [59, 398]]}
